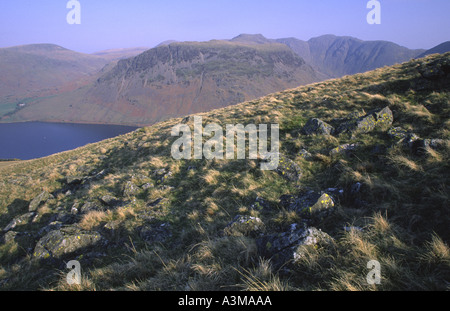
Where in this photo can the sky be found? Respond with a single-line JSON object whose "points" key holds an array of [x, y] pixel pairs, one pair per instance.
{"points": [[108, 24]]}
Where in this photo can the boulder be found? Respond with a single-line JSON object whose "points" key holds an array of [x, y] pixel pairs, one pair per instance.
{"points": [[130, 189], [310, 205], [317, 126], [345, 148], [244, 226], [66, 241], [377, 118], [39, 200], [435, 70], [397, 133], [288, 169], [282, 248]]}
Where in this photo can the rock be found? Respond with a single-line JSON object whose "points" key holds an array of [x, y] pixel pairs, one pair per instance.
{"points": [[162, 175], [147, 186], [346, 148], [282, 248], [289, 169], [397, 133], [317, 126], [310, 205], [66, 241], [244, 226], [130, 189], [435, 70], [384, 117], [305, 154], [335, 192], [260, 204], [20, 220], [152, 233], [110, 200], [314, 237], [39, 200], [377, 118], [75, 208], [90, 206], [8, 237]]}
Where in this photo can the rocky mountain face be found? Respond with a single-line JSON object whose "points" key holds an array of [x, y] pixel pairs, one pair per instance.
{"points": [[338, 56], [179, 79]]}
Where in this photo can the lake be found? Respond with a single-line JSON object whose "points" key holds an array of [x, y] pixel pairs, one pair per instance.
{"points": [[30, 140]]}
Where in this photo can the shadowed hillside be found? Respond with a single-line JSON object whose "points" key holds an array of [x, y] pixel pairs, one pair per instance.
{"points": [[362, 177]]}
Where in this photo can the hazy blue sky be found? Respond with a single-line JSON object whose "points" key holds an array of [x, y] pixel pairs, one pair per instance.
{"points": [[109, 24]]}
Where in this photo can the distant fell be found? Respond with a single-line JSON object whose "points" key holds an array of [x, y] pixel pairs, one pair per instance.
{"points": [[440, 49], [178, 79]]}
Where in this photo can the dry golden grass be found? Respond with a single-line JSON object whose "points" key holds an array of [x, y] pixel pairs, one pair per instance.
{"points": [[401, 218]]}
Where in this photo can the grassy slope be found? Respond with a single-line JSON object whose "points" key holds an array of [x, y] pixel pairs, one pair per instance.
{"points": [[405, 219]]}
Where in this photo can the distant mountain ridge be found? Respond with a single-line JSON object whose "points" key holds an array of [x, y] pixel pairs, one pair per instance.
{"points": [[179, 79], [440, 49], [337, 56], [140, 86], [34, 68]]}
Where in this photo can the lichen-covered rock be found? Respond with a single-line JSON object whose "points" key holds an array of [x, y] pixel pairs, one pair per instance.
{"points": [[260, 204], [162, 175], [39, 200], [284, 247], [317, 126], [244, 226], [314, 237], [381, 118], [384, 117], [288, 169], [397, 133], [66, 241], [310, 205], [130, 189], [435, 70], [305, 154], [346, 148]]}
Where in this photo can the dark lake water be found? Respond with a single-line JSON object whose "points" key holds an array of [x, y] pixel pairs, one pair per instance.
{"points": [[32, 140]]}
